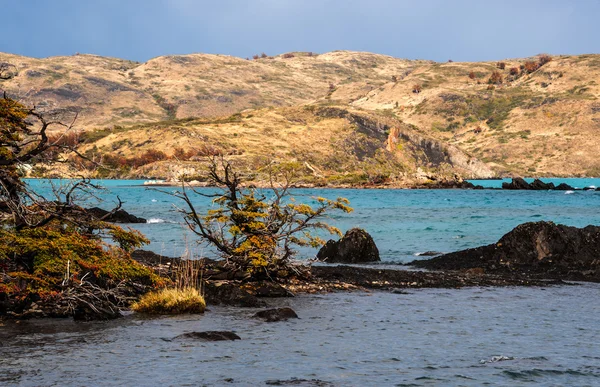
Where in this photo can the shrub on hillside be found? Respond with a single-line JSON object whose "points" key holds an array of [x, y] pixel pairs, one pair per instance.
{"points": [[514, 71], [416, 88], [501, 65], [496, 78], [472, 75], [544, 58], [530, 66]]}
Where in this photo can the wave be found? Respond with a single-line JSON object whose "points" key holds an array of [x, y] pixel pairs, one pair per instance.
{"points": [[569, 192], [155, 220]]}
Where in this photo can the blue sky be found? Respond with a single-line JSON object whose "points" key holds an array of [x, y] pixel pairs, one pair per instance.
{"points": [[461, 30]]}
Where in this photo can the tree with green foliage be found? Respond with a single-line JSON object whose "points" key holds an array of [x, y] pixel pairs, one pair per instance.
{"points": [[256, 230], [51, 249]]}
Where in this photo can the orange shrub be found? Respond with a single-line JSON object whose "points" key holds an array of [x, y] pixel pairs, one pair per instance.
{"points": [[530, 66], [496, 78]]}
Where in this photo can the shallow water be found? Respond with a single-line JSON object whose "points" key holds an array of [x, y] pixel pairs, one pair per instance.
{"points": [[425, 337]]}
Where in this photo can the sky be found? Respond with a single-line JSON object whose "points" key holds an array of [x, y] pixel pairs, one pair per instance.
{"points": [[461, 30]]}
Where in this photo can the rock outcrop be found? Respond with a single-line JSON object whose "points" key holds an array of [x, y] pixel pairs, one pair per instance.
{"points": [[119, 216], [356, 246], [538, 249], [518, 183]]}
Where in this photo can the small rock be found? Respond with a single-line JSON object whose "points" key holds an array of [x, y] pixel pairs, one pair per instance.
{"points": [[209, 336], [277, 314]]}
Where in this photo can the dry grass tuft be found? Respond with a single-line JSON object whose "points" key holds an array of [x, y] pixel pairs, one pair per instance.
{"points": [[171, 301]]}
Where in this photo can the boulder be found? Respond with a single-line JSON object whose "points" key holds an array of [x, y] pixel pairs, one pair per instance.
{"points": [[541, 249], [356, 246], [119, 216], [209, 336], [277, 314]]}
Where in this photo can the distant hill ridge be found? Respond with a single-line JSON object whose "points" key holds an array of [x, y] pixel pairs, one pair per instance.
{"points": [[537, 116]]}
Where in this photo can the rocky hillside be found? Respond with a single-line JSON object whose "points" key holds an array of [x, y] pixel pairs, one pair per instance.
{"points": [[345, 116]]}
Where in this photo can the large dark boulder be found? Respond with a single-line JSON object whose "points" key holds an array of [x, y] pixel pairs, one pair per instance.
{"points": [[356, 246], [542, 249], [516, 183], [119, 216]]}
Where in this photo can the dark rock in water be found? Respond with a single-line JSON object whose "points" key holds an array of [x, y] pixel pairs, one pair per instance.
{"points": [[539, 185], [589, 188], [357, 246], [564, 187], [516, 183], [298, 382], [277, 314], [209, 336], [229, 293], [120, 216], [541, 249]]}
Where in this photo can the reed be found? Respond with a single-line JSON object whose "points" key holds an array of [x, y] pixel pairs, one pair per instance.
{"points": [[171, 301], [185, 296]]}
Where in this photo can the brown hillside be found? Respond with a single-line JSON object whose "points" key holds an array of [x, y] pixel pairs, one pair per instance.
{"points": [[530, 117]]}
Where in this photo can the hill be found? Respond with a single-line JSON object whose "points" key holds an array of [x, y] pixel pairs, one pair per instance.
{"points": [[348, 117]]}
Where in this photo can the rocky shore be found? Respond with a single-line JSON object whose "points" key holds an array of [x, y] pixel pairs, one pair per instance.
{"points": [[533, 254], [533, 250]]}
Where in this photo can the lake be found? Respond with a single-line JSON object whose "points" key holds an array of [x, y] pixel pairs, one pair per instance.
{"points": [[427, 337]]}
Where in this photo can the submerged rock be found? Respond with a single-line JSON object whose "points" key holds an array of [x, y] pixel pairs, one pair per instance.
{"points": [[541, 249], [356, 246], [209, 336], [277, 314]]}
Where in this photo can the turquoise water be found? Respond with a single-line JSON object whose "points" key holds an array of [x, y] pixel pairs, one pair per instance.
{"points": [[402, 222]]}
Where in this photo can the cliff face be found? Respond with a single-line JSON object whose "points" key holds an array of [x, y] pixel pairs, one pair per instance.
{"points": [[536, 117]]}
